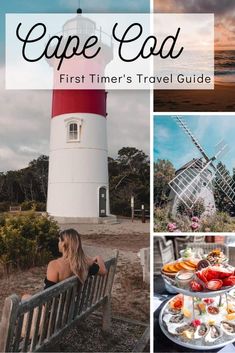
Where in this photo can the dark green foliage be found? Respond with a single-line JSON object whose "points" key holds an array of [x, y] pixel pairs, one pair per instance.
{"points": [[197, 209], [164, 172], [223, 203], [4, 206], [28, 184], [129, 175], [33, 205], [27, 240]]}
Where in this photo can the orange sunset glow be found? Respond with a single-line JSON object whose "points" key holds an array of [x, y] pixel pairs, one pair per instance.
{"points": [[224, 11]]}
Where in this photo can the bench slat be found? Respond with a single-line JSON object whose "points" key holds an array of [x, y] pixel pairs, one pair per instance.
{"points": [[100, 294], [98, 289], [36, 330], [94, 281], [28, 318], [66, 306], [17, 336], [84, 289], [72, 305], [52, 319], [60, 311], [45, 321], [7, 324], [105, 284], [77, 300], [88, 293], [46, 295]]}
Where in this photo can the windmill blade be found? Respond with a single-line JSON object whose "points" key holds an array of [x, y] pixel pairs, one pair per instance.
{"points": [[188, 184], [225, 183], [185, 128], [221, 149]]}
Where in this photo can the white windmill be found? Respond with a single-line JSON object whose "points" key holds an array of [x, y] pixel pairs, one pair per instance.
{"points": [[194, 180]]}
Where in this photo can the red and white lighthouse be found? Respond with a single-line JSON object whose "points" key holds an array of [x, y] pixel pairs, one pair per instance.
{"points": [[78, 186]]}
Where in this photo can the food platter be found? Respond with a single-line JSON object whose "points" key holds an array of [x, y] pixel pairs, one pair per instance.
{"points": [[198, 344], [201, 277], [205, 294], [202, 315]]}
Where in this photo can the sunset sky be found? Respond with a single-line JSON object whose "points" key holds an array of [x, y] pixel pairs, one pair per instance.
{"points": [[224, 11]]}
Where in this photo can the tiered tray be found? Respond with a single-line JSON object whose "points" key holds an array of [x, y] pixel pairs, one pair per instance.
{"points": [[197, 344]]}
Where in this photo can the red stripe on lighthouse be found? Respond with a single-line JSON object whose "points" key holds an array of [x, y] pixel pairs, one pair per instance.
{"points": [[79, 101]]}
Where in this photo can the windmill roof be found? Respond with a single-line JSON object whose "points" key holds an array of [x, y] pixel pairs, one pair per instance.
{"points": [[185, 166]]}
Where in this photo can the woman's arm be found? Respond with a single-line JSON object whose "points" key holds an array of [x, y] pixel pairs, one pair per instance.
{"points": [[52, 271], [100, 262]]}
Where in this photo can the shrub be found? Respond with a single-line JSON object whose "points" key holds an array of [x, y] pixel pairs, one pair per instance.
{"points": [[197, 210], [27, 240], [4, 206], [219, 222], [33, 205]]}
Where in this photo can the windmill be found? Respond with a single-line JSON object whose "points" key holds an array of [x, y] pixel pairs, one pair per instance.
{"points": [[194, 180]]}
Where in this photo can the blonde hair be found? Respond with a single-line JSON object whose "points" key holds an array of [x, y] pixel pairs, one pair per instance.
{"points": [[73, 252]]}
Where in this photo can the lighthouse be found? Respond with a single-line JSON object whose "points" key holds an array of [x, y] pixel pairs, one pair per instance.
{"points": [[78, 185]]}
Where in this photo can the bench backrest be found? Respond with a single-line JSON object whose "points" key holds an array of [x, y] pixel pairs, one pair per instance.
{"points": [[15, 208], [47, 314]]}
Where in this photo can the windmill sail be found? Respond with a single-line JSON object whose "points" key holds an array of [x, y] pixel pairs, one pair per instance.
{"points": [[225, 182], [188, 184], [183, 125], [199, 173]]}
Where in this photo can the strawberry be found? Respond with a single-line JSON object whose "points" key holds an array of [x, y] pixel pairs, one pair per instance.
{"points": [[208, 301], [195, 286], [201, 275], [196, 323], [214, 284], [230, 281]]}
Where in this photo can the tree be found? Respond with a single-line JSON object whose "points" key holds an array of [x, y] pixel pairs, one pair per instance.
{"points": [[39, 169], [222, 201], [27, 184], [164, 172], [129, 175]]}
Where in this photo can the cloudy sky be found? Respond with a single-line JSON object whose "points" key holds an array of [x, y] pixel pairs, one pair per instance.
{"points": [[170, 141], [224, 11], [25, 115]]}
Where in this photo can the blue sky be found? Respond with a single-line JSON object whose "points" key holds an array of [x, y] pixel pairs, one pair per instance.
{"points": [[171, 143]]}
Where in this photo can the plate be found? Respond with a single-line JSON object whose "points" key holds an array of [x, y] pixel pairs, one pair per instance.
{"points": [[205, 294], [196, 345]]}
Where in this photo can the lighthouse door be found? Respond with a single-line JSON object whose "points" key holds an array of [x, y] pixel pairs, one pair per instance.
{"points": [[102, 202]]}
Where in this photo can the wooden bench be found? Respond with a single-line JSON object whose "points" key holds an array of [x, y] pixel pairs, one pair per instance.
{"points": [[51, 312], [15, 209]]}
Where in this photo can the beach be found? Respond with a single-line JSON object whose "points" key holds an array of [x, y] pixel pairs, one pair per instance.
{"points": [[222, 98]]}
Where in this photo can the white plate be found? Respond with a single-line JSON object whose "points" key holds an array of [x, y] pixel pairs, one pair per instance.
{"points": [[207, 294], [221, 342]]}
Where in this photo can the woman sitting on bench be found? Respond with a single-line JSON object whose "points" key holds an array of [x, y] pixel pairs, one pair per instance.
{"points": [[73, 261]]}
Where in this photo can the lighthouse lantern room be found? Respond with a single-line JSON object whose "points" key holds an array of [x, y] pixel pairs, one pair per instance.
{"points": [[78, 187]]}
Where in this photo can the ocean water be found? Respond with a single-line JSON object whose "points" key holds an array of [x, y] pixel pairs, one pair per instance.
{"points": [[225, 66]]}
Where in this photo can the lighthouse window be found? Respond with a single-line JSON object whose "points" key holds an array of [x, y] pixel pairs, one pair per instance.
{"points": [[73, 132], [73, 127]]}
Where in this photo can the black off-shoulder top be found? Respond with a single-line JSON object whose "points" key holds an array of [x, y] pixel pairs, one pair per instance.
{"points": [[93, 270]]}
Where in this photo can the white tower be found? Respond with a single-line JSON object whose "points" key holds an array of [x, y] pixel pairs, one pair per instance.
{"points": [[78, 187]]}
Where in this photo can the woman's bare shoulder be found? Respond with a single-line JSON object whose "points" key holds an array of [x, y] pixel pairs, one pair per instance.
{"points": [[54, 263], [90, 260]]}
